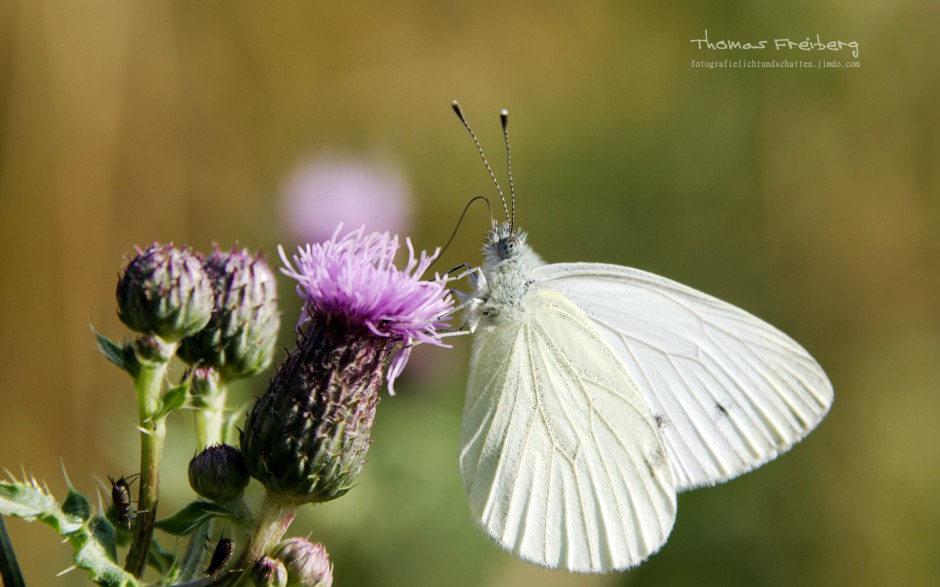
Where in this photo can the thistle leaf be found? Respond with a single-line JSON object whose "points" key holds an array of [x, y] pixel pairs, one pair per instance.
{"points": [[76, 504], [121, 355], [28, 501], [88, 535], [190, 517], [106, 536], [173, 399]]}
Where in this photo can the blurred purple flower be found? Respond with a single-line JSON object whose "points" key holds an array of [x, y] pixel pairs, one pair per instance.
{"points": [[327, 190]]}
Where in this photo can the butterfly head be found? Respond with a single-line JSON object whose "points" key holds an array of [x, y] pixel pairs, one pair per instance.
{"points": [[505, 245], [508, 247]]}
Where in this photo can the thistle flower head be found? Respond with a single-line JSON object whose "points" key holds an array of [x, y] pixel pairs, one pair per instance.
{"points": [[240, 338], [354, 279], [306, 438], [164, 291]]}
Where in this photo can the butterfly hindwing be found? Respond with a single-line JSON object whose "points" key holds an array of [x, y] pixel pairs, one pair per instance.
{"points": [[560, 455], [728, 391]]}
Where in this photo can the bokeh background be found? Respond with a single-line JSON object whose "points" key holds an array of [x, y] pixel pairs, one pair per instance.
{"points": [[807, 196]]}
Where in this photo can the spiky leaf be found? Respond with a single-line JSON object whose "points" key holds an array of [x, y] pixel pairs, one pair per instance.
{"points": [[28, 501], [94, 552], [76, 504], [105, 535]]}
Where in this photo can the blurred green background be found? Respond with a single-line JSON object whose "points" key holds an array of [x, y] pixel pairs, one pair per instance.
{"points": [[807, 196]]}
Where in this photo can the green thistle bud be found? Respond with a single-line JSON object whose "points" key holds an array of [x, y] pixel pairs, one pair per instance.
{"points": [[268, 572], [307, 563], [164, 291], [219, 473], [204, 389], [152, 350], [306, 438], [240, 338]]}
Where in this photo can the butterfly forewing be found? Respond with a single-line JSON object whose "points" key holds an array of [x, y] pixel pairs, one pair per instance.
{"points": [[728, 391], [560, 453]]}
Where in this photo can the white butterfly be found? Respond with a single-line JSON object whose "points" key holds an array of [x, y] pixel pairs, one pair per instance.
{"points": [[597, 392]]}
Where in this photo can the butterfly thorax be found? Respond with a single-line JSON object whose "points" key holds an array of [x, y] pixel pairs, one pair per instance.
{"points": [[507, 270]]}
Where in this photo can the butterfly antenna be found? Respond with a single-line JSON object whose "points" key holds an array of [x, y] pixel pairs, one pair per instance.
{"points": [[456, 106], [459, 221], [504, 119]]}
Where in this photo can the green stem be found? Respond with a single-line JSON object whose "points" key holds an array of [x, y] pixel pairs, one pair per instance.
{"points": [[211, 418], [271, 522], [149, 384]]}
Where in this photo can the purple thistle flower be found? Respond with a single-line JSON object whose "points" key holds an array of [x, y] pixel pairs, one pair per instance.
{"points": [[354, 278], [306, 438]]}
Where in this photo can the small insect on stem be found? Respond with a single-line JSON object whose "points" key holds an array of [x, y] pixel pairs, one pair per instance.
{"points": [[121, 496], [220, 556]]}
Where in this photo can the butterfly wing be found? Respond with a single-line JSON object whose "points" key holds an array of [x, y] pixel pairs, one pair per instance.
{"points": [[560, 457], [728, 390]]}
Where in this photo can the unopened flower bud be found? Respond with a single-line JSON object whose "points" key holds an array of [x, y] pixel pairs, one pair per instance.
{"points": [[204, 388], [219, 473], [268, 572], [308, 564], [152, 350], [164, 291], [240, 338]]}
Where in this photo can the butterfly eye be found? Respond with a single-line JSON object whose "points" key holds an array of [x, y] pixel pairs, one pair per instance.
{"points": [[507, 247]]}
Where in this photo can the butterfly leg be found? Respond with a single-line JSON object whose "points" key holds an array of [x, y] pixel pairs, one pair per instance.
{"points": [[455, 332], [474, 275], [467, 303]]}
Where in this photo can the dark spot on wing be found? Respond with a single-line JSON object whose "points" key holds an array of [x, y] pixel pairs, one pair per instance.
{"points": [[656, 460], [661, 421], [721, 410]]}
